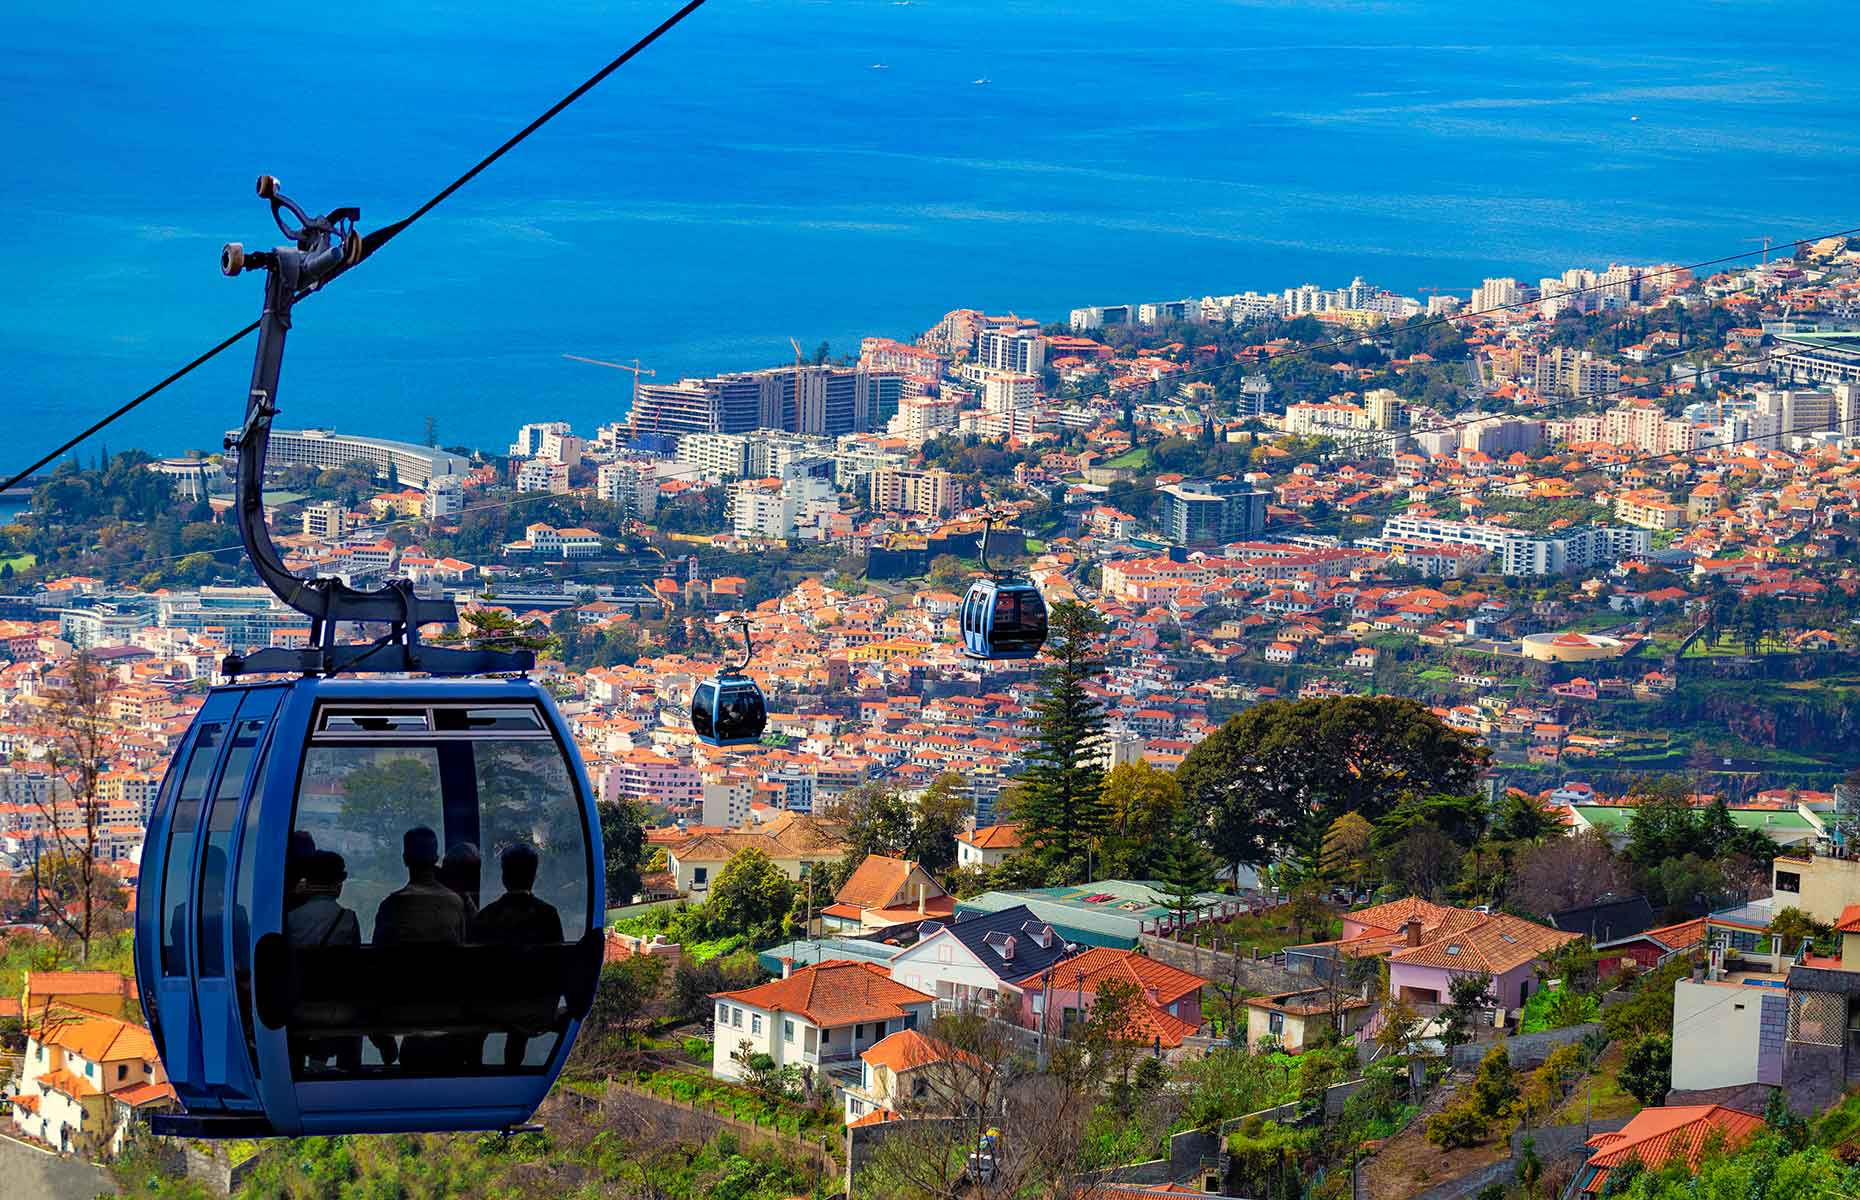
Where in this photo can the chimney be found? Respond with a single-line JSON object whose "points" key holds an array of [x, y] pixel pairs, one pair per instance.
{"points": [[1411, 931], [922, 907], [787, 966]]}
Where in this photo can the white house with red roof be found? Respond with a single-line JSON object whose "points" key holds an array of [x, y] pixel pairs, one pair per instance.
{"points": [[820, 1017]]}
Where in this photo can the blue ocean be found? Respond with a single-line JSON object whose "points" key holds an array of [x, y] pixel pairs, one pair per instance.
{"points": [[831, 169]]}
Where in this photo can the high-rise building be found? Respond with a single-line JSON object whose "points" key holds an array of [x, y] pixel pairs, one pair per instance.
{"points": [[721, 457], [541, 475], [1002, 391], [327, 519], [1211, 511], [1019, 350], [723, 404], [931, 493], [921, 418], [1384, 407], [529, 441], [445, 497], [632, 484], [1497, 293], [1515, 552]]}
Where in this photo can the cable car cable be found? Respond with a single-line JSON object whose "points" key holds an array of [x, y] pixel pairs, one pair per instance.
{"points": [[380, 237]]}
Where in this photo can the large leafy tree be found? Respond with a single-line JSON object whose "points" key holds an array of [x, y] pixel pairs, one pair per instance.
{"points": [[623, 849], [1267, 780], [750, 896], [1061, 798], [1143, 802]]}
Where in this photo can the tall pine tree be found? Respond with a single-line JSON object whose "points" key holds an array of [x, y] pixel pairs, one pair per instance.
{"points": [[1186, 867], [1062, 804]]}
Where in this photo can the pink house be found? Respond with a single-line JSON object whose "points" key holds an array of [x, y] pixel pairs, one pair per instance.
{"points": [[1171, 998], [1428, 944], [1503, 946]]}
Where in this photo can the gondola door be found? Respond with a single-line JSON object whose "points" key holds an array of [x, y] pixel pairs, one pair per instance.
{"points": [[164, 902], [222, 917]]}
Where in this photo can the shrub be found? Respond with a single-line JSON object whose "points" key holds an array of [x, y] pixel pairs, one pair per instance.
{"points": [[1458, 1125]]}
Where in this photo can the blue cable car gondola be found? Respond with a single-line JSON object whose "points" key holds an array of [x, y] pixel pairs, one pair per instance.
{"points": [[366, 905], [1002, 618], [729, 710]]}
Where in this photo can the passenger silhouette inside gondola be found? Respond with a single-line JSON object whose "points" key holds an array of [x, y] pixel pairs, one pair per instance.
{"points": [[424, 912], [317, 920], [519, 918]]}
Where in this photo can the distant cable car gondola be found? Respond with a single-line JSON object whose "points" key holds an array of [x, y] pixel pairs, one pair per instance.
{"points": [[366, 905], [729, 710], [1002, 618]]}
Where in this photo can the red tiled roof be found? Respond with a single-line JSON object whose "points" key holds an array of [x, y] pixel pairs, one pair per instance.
{"points": [[1102, 963], [143, 1093], [1656, 1136], [994, 837], [908, 1049], [832, 993], [1850, 920]]}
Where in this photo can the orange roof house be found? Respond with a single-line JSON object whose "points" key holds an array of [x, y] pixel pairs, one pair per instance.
{"points": [[1657, 1136]]}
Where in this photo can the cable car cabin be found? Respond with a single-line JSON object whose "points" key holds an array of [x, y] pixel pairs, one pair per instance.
{"points": [[1003, 620], [369, 907], [728, 711]]}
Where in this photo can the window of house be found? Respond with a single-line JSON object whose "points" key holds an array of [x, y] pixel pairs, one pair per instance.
{"points": [[122, 1072], [858, 1033], [910, 1021], [700, 874], [787, 1031], [723, 1014], [858, 1107], [826, 1035], [755, 1022], [1789, 881], [736, 1018], [1275, 1022]]}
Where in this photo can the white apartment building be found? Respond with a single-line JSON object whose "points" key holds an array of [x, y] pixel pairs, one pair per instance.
{"points": [[327, 519], [631, 484], [1005, 391], [445, 497], [931, 493], [542, 475], [1022, 351], [722, 457], [1518, 553], [921, 418], [529, 441], [775, 509], [561, 446]]}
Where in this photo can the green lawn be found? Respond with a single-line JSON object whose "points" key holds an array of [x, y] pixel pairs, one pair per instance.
{"points": [[1139, 458], [20, 562]]}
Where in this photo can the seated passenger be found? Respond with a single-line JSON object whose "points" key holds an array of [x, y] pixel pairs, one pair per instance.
{"points": [[424, 912], [459, 871], [313, 921], [518, 918]]}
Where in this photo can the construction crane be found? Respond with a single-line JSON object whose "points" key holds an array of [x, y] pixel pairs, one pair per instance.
{"points": [[632, 415], [1766, 240]]}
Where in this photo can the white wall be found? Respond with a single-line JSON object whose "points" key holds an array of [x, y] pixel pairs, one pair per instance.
{"points": [[1715, 1034], [940, 958]]}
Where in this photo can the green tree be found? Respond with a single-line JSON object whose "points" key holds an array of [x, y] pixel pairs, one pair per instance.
{"points": [[1521, 818], [1260, 779], [939, 815], [1466, 994], [623, 848], [877, 820], [750, 896], [1061, 801], [1791, 927], [1346, 847], [1185, 868], [1647, 1072], [1144, 801]]}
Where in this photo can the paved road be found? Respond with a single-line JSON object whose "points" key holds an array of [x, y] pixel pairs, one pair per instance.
{"points": [[28, 1171]]}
